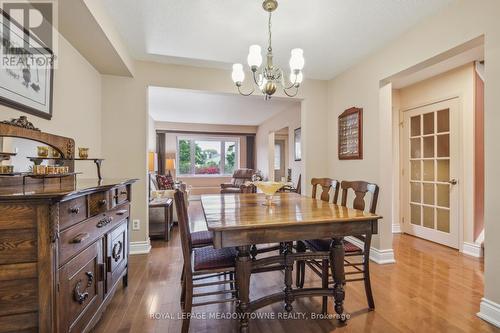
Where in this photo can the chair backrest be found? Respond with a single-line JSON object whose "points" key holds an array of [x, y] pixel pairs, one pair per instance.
{"points": [[326, 185], [360, 188], [240, 176], [298, 188], [182, 216]]}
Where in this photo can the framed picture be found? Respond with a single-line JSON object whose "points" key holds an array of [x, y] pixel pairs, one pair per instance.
{"points": [[297, 141], [351, 134], [26, 70]]}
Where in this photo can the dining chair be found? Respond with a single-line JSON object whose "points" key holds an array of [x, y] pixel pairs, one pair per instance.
{"points": [[319, 266], [360, 190], [201, 264]]}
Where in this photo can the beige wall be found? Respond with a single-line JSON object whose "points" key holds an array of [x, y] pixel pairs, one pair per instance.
{"points": [[291, 119], [77, 105], [151, 135], [360, 86], [455, 83], [125, 118]]}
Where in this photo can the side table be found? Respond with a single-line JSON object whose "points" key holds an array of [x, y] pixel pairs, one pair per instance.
{"points": [[161, 216]]}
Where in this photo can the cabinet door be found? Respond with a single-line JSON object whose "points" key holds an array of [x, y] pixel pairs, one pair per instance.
{"points": [[116, 254], [80, 289]]}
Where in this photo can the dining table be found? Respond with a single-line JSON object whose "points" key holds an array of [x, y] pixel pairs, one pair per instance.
{"points": [[244, 220]]}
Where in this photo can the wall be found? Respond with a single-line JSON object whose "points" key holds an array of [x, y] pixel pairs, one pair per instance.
{"points": [[151, 134], [289, 118], [458, 23], [125, 116], [455, 83], [76, 105]]}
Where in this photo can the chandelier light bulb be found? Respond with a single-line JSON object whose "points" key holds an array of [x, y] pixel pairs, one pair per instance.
{"points": [[238, 74], [297, 59], [255, 56], [296, 78]]}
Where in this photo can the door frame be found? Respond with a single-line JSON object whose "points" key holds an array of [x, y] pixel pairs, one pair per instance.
{"points": [[460, 164]]}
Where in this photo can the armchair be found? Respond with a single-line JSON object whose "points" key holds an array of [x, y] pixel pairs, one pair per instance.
{"points": [[240, 176]]}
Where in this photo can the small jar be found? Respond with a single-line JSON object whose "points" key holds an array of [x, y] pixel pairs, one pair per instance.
{"points": [[42, 151], [83, 152]]}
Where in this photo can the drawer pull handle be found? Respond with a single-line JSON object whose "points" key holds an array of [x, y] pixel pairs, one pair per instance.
{"points": [[75, 210], [102, 202], [79, 296], [104, 222], [80, 238], [123, 193], [122, 212], [117, 250]]}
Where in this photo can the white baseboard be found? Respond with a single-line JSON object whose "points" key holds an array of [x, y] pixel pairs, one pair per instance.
{"points": [[380, 257], [396, 228], [490, 312], [472, 249], [143, 247]]}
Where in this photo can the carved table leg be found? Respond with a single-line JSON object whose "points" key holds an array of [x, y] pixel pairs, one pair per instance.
{"points": [[243, 271], [287, 249], [337, 267], [98, 165]]}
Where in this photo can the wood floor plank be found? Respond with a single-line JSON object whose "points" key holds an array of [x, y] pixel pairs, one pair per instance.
{"points": [[431, 288]]}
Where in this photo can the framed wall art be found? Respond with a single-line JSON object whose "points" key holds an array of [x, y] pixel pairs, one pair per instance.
{"points": [[26, 70], [350, 142], [297, 144]]}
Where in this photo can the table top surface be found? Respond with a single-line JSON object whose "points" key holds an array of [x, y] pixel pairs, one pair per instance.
{"points": [[159, 202], [247, 211]]}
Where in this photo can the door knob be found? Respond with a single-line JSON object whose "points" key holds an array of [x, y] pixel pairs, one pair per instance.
{"points": [[453, 181]]}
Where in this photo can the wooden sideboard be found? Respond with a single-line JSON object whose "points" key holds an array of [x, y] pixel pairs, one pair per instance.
{"points": [[63, 251]]}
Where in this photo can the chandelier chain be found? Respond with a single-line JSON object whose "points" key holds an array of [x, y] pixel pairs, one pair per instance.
{"points": [[270, 48]]}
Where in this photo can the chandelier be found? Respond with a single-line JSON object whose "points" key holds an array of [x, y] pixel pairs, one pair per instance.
{"points": [[270, 77]]}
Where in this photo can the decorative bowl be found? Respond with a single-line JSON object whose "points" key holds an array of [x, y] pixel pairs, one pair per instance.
{"points": [[269, 189]]}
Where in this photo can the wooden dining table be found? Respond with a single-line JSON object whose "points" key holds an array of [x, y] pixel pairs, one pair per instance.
{"points": [[242, 220]]}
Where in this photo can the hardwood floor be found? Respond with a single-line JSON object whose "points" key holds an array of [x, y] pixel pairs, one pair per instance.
{"points": [[431, 288]]}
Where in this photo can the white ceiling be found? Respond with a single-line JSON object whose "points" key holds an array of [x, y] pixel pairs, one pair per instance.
{"points": [[335, 34], [189, 106]]}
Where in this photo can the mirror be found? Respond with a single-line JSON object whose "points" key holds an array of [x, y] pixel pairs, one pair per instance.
{"points": [[16, 152]]}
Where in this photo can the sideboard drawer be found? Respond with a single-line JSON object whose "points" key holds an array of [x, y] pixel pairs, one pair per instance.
{"points": [[72, 211], [99, 202], [81, 289], [78, 237]]}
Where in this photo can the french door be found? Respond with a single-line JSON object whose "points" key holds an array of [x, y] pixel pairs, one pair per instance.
{"points": [[430, 169]]}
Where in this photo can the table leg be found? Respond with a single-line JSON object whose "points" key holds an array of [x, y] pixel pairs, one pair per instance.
{"points": [[337, 267], [243, 271], [98, 165]]}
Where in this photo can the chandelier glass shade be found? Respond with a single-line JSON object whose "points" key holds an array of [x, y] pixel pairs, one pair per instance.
{"points": [[269, 78]]}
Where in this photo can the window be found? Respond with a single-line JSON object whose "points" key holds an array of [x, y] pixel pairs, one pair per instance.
{"points": [[207, 156]]}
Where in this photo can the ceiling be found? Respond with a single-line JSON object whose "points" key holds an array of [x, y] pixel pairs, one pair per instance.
{"points": [[335, 34], [190, 106]]}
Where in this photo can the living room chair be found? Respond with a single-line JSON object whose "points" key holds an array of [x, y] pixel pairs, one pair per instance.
{"points": [[240, 177]]}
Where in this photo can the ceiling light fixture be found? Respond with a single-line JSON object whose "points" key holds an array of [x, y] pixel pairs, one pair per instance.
{"points": [[270, 77]]}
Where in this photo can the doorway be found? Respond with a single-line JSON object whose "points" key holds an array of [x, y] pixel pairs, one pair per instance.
{"points": [[430, 169]]}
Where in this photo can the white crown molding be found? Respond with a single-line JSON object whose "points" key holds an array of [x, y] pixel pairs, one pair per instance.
{"points": [[490, 312], [381, 257], [396, 228], [142, 247], [472, 249]]}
